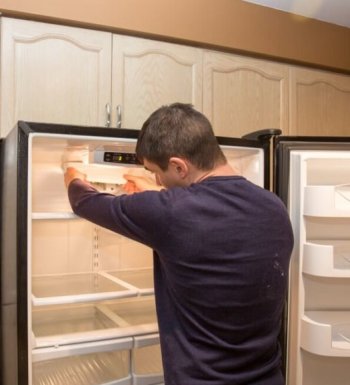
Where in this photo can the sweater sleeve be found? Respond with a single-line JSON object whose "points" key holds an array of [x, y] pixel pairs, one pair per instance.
{"points": [[140, 216]]}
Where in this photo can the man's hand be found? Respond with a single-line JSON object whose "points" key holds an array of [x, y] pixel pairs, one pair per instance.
{"points": [[71, 174], [140, 183]]}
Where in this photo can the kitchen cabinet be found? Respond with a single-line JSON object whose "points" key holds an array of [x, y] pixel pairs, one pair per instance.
{"points": [[320, 103], [241, 95], [52, 73], [58, 74], [147, 74]]}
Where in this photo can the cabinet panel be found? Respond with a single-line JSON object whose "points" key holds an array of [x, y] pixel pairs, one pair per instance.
{"points": [[148, 74], [320, 103], [242, 95], [52, 73]]}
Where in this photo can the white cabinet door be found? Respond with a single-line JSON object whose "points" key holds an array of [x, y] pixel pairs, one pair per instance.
{"points": [[54, 74], [148, 74], [320, 103], [241, 95]]}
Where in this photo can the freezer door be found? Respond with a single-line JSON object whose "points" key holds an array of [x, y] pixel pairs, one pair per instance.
{"points": [[249, 157], [313, 179]]}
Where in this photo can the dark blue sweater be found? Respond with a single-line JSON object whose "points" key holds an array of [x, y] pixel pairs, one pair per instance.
{"points": [[221, 257]]}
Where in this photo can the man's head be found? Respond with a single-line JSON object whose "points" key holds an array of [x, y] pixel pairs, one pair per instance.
{"points": [[178, 130], [178, 133]]}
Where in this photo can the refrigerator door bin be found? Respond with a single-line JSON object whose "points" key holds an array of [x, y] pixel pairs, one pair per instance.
{"points": [[146, 361], [105, 363], [326, 333], [327, 201], [64, 325], [75, 288], [327, 258]]}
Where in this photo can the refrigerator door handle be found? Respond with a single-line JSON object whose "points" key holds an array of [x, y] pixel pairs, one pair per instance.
{"points": [[264, 134], [108, 115], [119, 116]]}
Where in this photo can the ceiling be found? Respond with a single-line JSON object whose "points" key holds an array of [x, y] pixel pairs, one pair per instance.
{"points": [[331, 11]]}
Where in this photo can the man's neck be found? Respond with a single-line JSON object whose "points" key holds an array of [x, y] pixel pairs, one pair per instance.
{"points": [[221, 170]]}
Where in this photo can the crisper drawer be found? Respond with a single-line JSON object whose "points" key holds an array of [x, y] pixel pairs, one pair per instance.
{"points": [[99, 363], [67, 324], [146, 360]]}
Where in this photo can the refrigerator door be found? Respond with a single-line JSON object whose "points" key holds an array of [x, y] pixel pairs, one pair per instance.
{"points": [[249, 157], [313, 179]]}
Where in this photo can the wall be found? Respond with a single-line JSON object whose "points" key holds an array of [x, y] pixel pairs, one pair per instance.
{"points": [[231, 25]]}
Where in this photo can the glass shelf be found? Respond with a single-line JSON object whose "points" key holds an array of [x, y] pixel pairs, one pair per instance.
{"points": [[75, 288], [141, 279], [71, 324]]}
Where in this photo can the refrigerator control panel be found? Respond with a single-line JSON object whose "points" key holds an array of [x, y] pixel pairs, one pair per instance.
{"points": [[120, 157], [117, 157]]}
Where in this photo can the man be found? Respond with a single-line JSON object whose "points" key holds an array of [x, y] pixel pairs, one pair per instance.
{"points": [[221, 252]]}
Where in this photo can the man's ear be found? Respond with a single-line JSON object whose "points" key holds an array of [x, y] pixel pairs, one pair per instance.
{"points": [[179, 166]]}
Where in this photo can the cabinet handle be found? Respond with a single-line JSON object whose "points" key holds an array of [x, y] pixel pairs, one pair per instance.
{"points": [[108, 115], [119, 116]]}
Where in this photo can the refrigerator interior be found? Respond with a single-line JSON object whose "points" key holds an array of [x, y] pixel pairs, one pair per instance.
{"points": [[90, 291], [319, 294]]}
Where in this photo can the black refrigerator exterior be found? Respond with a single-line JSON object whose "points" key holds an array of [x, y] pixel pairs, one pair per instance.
{"points": [[310, 174]]}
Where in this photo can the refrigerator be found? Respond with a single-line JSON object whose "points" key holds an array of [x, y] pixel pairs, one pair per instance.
{"points": [[77, 301]]}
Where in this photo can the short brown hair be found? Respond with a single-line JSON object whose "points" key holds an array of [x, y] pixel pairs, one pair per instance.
{"points": [[179, 130]]}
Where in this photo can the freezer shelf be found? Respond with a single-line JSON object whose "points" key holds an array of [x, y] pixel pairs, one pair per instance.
{"points": [[327, 201], [327, 258], [70, 324], [326, 333], [141, 279], [75, 288]]}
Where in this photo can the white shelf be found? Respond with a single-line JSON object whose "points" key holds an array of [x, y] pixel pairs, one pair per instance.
{"points": [[89, 287], [326, 333], [77, 288], [54, 215], [327, 201], [139, 279], [76, 324], [327, 258]]}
